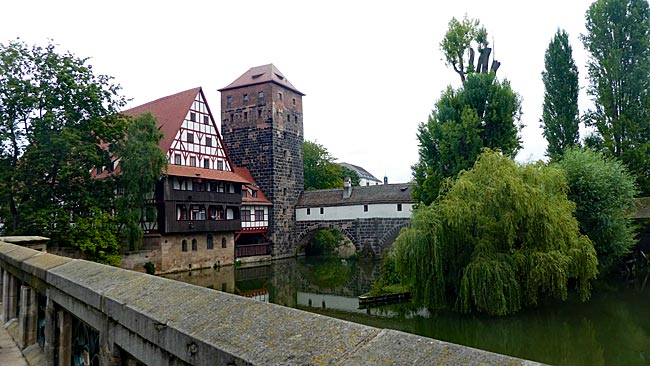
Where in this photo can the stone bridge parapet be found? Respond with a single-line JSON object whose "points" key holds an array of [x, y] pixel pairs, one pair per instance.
{"points": [[111, 316]]}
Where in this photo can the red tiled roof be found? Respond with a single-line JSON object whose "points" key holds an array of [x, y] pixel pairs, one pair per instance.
{"points": [[188, 171], [261, 198], [170, 112], [259, 75]]}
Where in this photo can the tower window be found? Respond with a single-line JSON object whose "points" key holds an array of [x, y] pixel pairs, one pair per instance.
{"points": [[245, 116], [293, 100], [232, 117], [245, 97], [259, 113], [229, 100], [190, 137], [192, 116], [280, 96], [260, 95]]}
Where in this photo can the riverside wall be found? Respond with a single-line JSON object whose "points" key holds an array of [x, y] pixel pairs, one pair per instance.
{"points": [[58, 309]]}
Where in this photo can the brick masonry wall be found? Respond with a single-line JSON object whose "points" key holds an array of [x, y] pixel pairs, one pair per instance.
{"points": [[266, 135], [374, 234]]}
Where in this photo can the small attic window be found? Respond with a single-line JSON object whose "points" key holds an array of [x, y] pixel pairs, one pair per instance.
{"points": [[257, 75], [206, 120], [279, 76], [192, 116]]}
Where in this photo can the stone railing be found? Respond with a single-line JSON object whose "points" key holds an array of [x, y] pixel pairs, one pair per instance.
{"points": [[65, 311]]}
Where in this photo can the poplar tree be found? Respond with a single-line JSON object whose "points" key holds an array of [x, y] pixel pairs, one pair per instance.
{"points": [[560, 116], [618, 40]]}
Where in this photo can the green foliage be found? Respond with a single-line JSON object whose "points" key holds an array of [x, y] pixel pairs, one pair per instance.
{"points": [[619, 45], [141, 163], [55, 116], [483, 113], [150, 268], [560, 116], [604, 193], [324, 242], [321, 172], [501, 237], [458, 43]]}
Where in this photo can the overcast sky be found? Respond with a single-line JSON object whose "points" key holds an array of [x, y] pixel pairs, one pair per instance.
{"points": [[371, 70]]}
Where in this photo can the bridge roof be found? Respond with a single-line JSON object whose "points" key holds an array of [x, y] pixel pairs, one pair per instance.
{"points": [[383, 193]]}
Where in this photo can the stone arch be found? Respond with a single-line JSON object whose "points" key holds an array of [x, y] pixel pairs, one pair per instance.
{"points": [[306, 234], [389, 237]]}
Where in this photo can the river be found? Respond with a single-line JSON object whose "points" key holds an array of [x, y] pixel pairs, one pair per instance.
{"points": [[612, 328]]}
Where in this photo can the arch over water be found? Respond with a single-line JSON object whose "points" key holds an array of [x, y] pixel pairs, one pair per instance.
{"points": [[305, 235]]}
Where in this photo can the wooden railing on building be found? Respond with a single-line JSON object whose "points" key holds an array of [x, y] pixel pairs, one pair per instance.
{"points": [[250, 250]]}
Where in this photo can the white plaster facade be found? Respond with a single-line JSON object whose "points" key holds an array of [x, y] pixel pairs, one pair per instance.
{"points": [[361, 211]]}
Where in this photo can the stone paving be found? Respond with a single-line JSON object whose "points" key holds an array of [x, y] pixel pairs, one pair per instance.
{"points": [[10, 355]]}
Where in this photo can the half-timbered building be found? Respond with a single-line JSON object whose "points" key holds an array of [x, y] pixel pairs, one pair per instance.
{"points": [[253, 238], [199, 196]]}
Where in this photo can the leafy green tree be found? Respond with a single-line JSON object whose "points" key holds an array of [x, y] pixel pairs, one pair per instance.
{"points": [[141, 163], [618, 40], [483, 113], [604, 193], [560, 116], [55, 116], [458, 46], [501, 237], [321, 172]]}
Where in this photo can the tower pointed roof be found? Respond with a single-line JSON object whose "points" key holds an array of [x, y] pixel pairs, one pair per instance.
{"points": [[261, 74]]}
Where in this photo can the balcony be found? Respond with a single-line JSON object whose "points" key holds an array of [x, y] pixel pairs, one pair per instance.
{"points": [[251, 250], [188, 226], [196, 196]]}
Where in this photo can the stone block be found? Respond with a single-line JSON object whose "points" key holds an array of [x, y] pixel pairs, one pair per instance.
{"points": [[396, 348]]}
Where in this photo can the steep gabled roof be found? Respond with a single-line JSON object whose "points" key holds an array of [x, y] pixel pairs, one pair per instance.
{"points": [[261, 198], [170, 112], [261, 74], [364, 174]]}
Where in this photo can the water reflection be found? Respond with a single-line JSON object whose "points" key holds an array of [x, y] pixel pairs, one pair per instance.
{"points": [[613, 328]]}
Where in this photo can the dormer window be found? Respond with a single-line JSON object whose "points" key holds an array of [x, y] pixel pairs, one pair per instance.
{"points": [[254, 194]]}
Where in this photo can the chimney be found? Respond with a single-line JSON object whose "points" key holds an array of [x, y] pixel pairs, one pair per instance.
{"points": [[347, 188], [385, 179]]}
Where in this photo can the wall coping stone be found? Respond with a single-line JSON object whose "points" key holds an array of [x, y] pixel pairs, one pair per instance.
{"points": [[201, 326]]}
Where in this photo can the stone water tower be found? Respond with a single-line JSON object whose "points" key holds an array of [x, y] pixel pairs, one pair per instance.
{"points": [[261, 125]]}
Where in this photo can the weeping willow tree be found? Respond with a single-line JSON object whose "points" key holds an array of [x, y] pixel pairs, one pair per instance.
{"points": [[501, 237]]}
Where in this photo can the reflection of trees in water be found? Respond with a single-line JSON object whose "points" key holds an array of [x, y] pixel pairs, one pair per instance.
{"points": [[334, 276]]}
